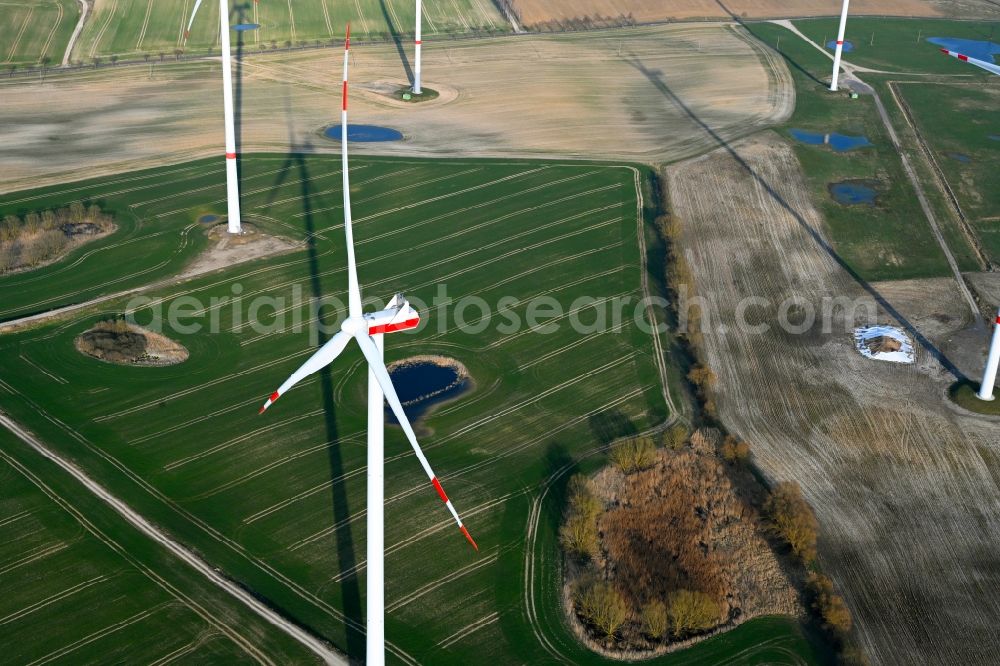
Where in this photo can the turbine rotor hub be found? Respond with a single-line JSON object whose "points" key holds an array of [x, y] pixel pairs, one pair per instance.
{"points": [[352, 325]]}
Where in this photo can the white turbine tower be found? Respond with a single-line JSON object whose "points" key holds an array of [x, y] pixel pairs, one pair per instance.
{"points": [[840, 46], [368, 331], [416, 49], [992, 361], [232, 184]]}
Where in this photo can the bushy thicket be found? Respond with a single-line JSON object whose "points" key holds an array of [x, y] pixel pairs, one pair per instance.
{"points": [[113, 340], [793, 519], [578, 534], [829, 607], [603, 606], [37, 237], [633, 455]]}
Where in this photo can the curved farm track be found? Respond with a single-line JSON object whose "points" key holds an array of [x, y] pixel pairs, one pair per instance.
{"points": [[905, 487]]}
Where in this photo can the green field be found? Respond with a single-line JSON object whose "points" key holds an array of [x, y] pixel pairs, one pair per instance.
{"points": [[892, 239], [79, 584], [138, 27], [900, 45], [33, 30], [277, 501], [964, 136]]}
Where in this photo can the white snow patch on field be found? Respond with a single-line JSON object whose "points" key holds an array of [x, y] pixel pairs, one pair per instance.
{"points": [[864, 335]]}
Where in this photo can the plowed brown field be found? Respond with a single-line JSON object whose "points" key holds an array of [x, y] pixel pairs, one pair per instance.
{"points": [[539, 95], [905, 486]]}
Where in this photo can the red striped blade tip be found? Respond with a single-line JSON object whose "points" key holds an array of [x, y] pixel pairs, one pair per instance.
{"points": [[347, 40], [469, 538]]}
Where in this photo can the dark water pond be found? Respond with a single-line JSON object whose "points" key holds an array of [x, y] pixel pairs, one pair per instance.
{"points": [[364, 133], [832, 45], [853, 192], [421, 385], [974, 48], [208, 219], [960, 157], [838, 142], [994, 137], [243, 27]]}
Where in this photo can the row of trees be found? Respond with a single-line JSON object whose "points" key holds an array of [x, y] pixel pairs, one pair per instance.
{"points": [[37, 237], [682, 614]]}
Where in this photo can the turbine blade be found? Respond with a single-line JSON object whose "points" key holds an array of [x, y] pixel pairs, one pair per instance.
{"points": [[323, 357], [353, 290], [194, 11], [982, 64], [375, 364]]}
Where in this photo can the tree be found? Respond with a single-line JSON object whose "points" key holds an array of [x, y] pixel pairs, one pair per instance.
{"points": [[654, 619], [578, 536], [690, 611], [77, 212], [603, 606], [735, 451], [793, 519], [11, 68], [114, 60], [829, 607], [634, 454], [675, 437]]}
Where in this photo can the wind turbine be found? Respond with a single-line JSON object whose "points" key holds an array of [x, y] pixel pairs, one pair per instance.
{"points": [[840, 46], [416, 48], [232, 183], [368, 331], [988, 66], [992, 362]]}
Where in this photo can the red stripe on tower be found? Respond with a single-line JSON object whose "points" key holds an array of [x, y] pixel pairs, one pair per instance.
{"points": [[230, 156], [417, 42], [998, 320], [840, 42], [437, 487]]}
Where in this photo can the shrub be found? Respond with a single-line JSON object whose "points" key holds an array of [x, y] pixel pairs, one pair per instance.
{"points": [[793, 519], [603, 606], [829, 607], [735, 451], [691, 611], [676, 437], [578, 534], [635, 454], [654, 619]]}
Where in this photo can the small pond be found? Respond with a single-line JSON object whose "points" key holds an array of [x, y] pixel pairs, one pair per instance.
{"points": [[243, 27], [960, 157], [425, 381], [208, 219], [364, 133], [974, 48], [838, 142], [854, 192]]}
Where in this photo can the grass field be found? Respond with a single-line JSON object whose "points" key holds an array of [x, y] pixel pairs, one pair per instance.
{"points": [[33, 30], [150, 27], [69, 566], [963, 133], [892, 239], [278, 501]]}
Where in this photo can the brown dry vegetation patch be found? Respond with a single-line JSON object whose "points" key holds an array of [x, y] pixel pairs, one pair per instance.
{"points": [[685, 525], [227, 249], [535, 12], [899, 481], [39, 239], [117, 341]]}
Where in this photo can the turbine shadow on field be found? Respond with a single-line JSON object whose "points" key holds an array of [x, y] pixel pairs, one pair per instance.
{"points": [[347, 562], [655, 77], [240, 13], [396, 39]]}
